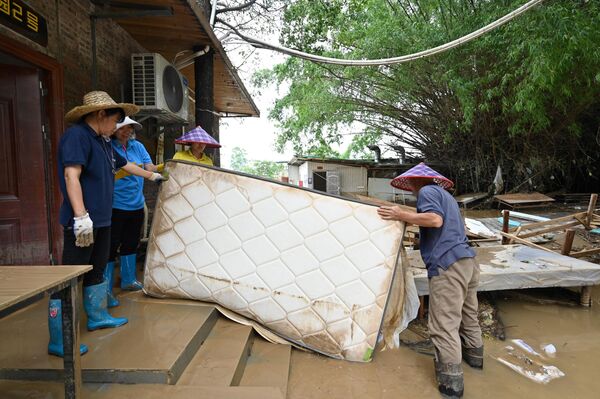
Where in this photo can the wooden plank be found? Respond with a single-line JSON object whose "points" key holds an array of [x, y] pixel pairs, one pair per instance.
{"points": [[568, 244], [523, 198], [590, 211], [553, 221], [587, 252], [70, 324], [547, 229], [525, 242], [18, 283], [505, 223]]}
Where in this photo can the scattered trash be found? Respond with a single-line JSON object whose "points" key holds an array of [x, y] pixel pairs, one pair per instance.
{"points": [[476, 227], [519, 360], [511, 223], [549, 349]]}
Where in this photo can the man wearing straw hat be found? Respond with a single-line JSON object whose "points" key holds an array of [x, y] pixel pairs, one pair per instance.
{"points": [[453, 274], [86, 168]]}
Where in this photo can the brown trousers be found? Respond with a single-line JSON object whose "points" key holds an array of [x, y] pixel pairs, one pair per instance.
{"points": [[453, 310]]}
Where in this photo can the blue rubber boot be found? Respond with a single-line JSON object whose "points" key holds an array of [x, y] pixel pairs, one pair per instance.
{"points": [[94, 303], [55, 346], [128, 278], [112, 301]]}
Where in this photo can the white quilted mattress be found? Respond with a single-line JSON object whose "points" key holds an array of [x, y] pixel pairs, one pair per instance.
{"points": [[312, 268]]}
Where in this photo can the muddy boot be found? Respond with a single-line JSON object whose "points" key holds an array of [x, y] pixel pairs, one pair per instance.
{"points": [[55, 346], [449, 378], [108, 277], [95, 305], [473, 356], [128, 278]]}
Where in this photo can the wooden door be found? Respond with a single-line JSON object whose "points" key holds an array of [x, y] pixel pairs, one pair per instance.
{"points": [[23, 205]]}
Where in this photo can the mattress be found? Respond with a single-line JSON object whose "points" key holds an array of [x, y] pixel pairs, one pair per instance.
{"points": [[312, 268]]}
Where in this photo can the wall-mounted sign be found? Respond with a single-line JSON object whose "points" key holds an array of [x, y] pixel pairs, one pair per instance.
{"points": [[23, 19]]}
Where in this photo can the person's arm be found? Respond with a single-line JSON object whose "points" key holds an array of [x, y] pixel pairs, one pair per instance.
{"points": [[426, 219], [151, 167], [74, 192], [133, 169]]}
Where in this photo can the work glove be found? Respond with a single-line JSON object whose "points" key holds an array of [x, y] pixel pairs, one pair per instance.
{"points": [[157, 177], [84, 230]]}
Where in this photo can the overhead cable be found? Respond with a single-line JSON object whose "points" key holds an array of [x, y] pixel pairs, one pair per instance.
{"points": [[389, 61]]}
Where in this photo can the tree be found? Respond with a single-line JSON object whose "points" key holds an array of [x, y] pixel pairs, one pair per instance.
{"points": [[524, 96], [269, 169]]}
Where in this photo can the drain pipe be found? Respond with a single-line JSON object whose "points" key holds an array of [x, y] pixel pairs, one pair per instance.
{"points": [[377, 152], [189, 60], [213, 13]]}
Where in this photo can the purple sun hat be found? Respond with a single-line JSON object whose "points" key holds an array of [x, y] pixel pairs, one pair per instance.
{"points": [[198, 135], [420, 171]]}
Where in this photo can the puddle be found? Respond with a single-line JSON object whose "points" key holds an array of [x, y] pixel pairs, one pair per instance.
{"points": [[574, 331]]}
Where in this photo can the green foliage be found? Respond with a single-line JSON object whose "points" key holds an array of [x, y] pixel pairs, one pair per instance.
{"points": [[269, 169], [523, 96]]}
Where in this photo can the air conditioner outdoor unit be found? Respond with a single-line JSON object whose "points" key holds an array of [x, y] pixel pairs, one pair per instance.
{"points": [[158, 88]]}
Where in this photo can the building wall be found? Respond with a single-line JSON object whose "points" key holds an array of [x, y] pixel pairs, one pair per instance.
{"points": [[69, 42], [353, 179]]}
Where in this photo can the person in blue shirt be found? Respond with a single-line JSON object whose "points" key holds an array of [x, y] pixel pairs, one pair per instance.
{"points": [[87, 165], [128, 209], [453, 274]]}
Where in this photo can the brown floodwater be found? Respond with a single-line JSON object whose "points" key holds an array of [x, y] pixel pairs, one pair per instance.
{"points": [[403, 373]]}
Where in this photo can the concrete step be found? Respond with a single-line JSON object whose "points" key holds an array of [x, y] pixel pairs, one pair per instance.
{"points": [[153, 348], [268, 366], [55, 390], [222, 358]]}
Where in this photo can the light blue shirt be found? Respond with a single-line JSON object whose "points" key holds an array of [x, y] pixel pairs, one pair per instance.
{"points": [[129, 190]]}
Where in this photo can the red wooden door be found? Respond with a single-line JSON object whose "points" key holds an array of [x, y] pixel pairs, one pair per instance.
{"points": [[23, 205]]}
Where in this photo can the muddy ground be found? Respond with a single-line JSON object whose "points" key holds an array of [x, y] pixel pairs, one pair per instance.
{"points": [[406, 373]]}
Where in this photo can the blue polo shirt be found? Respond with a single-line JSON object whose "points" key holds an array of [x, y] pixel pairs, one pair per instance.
{"points": [[441, 247], [80, 145], [129, 195]]}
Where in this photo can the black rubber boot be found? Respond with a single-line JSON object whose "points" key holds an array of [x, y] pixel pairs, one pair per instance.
{"points": [[450, 379], [473, 357]]}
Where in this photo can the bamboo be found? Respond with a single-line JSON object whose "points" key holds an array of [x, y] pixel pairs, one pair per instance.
{"points": [[516, 233], [568, 244], [528, 243], [585, 298]]}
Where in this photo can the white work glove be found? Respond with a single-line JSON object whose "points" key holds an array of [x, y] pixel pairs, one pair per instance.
{"points": [[84, 230], [157, 177]]}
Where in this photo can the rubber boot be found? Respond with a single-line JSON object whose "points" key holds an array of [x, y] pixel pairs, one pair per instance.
{"points": [[128, 278], [95, 305], [473, 356], [55, 346], [449, 379], [109, 271]]}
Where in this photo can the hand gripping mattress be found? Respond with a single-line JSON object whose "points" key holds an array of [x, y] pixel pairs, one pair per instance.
{"points": [[312, 268]]}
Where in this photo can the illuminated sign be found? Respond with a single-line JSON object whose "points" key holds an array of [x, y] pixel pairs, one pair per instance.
{"points": [[22, 19]]}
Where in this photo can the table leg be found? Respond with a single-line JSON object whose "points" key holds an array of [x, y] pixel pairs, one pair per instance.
{"points": [[72, 358]]}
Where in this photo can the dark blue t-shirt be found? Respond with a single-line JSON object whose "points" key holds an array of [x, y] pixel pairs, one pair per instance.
{"points": [[441, 247], [80, 145]]}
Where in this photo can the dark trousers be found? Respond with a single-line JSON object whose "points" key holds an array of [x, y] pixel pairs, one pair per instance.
{"points": [[95, 255], [126, 227]]}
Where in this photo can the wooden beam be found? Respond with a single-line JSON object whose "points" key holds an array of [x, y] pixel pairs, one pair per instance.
{"points": [[590, 211], [554, 221], [587, 252], [505, 223], [525, 242], [548, 229], [568, 244]]}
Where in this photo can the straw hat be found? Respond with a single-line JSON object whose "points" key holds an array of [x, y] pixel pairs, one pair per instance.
{"points": [[128, 121], [402, 182], [95, 101], [198, 135]]}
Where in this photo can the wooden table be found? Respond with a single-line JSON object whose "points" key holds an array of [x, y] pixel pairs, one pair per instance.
{"points": [[20, 283]]}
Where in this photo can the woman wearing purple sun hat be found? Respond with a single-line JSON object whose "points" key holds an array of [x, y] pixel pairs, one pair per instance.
{"points": [[198, 140], [453, 274]]}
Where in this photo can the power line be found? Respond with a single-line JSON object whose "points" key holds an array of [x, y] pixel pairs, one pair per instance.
{"points": [[389, 61]]}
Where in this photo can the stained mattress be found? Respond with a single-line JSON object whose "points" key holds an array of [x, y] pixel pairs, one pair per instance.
{"points": [[312, 268]]}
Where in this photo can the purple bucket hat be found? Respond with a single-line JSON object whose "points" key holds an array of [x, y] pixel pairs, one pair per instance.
{"points": [[198, 135], [420, 171]]}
